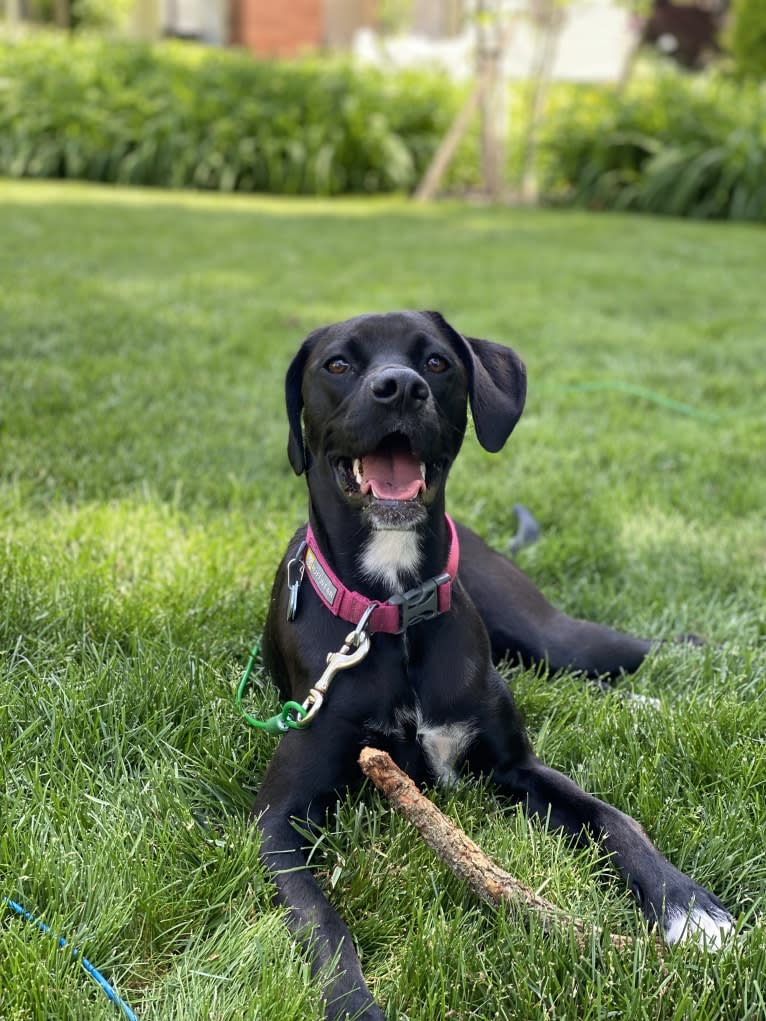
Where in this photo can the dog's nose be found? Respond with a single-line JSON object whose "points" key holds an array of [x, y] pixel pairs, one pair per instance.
{"points": [[396, 384]]}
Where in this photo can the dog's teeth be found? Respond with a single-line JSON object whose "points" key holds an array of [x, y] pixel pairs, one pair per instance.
{"points": [[422, 471], [357, 469]]}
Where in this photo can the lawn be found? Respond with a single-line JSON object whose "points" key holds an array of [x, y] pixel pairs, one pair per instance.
{"points": [[145, 497]]}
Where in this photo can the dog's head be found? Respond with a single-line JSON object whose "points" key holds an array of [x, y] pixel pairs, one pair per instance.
{"points": [[384, 402]]}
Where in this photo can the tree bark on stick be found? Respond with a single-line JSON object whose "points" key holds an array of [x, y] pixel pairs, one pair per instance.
{"points": [[464, 857]]}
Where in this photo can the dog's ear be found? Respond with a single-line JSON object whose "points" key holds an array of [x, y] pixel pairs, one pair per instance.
{"points": [[296, 450], [497, 384]]}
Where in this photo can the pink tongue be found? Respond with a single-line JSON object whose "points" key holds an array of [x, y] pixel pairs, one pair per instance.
{"points": [[392, 475]]}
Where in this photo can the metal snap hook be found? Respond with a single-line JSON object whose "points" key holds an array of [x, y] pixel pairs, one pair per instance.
{"points": [[354, 649]]}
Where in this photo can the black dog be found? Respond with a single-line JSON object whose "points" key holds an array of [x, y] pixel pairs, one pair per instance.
{"points": [[384, 401]]}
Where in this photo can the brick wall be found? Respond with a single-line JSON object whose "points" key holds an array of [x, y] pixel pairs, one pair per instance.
{"points": [[277, 28]]}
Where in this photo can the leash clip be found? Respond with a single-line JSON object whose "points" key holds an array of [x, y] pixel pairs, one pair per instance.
{"points": [[355, 647], [296, 568]]}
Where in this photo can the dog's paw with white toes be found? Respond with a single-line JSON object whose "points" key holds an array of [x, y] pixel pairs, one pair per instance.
{"points": [[709, 927]]}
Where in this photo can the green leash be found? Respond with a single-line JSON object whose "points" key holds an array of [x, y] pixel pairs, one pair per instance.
{"points": [[618, 386], [275, 725]]}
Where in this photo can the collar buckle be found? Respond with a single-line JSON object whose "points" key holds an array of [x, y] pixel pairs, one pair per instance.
{"points": [[419, 604]]}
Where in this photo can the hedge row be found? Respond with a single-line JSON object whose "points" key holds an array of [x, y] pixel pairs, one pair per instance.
{"points": [[673, 144], [176, 115], [746, 37]]}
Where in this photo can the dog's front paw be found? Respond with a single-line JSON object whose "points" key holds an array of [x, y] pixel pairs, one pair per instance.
{"points": [[701, 919]]}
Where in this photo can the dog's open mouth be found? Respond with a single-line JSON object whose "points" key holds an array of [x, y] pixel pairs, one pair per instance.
{"points": [[391, 472]]}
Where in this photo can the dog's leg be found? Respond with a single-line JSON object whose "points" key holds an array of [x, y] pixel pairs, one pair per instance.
{"points": [[522, 624], [666, 896], [300, 785], [683, 908]]}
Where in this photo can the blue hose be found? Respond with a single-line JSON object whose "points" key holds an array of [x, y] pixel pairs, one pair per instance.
{"points": [[93, 972]]}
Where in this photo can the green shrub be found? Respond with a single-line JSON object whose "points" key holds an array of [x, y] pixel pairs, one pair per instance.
{"points": [[746, 38], [177, 115], [673, 145]]}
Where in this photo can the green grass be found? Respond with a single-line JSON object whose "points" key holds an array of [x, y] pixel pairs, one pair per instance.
{"points": [[145, 498]]}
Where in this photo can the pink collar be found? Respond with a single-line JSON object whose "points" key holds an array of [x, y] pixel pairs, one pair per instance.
{"points": [[402, 610]]}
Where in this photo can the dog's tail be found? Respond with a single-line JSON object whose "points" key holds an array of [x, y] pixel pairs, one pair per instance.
{"points": [[528, 531]]}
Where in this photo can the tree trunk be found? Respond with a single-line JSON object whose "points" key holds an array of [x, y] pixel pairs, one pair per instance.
{"points": [[494, 133], [13, 17], [551, 20], [435, 18], [444, 155], [62, 14], [494, 100]]}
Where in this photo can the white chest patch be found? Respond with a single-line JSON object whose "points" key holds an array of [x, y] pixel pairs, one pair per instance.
{"points": [[444, 745], [389, 556]]}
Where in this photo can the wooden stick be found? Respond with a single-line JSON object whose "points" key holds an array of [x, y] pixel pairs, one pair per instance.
{"points": [[460, 854]]}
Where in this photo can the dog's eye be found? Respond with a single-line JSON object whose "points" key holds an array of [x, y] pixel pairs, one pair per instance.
{"points": [[437, 364], [337, 366]]}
